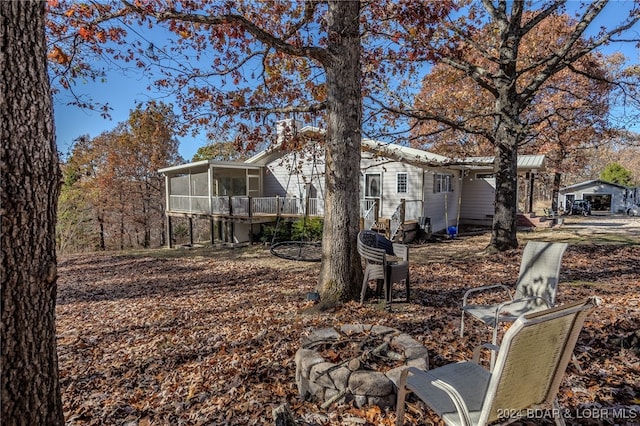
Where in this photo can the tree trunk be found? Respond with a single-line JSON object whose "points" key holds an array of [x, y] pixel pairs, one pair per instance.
{"points": [[28, 196], [503, 236], [101, 243], [341, 272], [557, 178]]}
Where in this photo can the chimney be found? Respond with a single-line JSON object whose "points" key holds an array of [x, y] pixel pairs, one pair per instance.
{"points": [[287, 127]]}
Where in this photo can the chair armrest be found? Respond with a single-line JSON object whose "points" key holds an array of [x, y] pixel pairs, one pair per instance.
{"points": [[456, 398], [450, 391], [501, 306], [401, 250], [484, 288], [478, 349]]}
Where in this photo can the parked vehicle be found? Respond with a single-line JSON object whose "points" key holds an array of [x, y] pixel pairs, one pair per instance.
{"points": [[582, 207], [633, 210]]}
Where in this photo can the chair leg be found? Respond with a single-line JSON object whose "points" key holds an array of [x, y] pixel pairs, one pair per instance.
{"points": [[387, 294], [380, 288], [462, 324], [559, 418], [365, 284], [407, 286]]}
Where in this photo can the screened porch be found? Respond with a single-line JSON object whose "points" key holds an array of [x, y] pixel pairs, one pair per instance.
{"points": [[221, 189]]}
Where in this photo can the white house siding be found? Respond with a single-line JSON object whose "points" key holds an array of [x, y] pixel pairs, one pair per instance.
{"points": [[477, 199], [441, 207], [391, 198], [633, 197], [278, 179], [275, 181]]}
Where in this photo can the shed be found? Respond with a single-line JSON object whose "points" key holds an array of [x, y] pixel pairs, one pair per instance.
{"points": [[605, 197]]}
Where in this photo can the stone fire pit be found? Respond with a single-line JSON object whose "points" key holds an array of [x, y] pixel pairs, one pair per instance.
{"points": [[352, 377]]}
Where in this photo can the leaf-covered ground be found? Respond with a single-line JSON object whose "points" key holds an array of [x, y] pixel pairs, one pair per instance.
{"points": [[208, 337]]}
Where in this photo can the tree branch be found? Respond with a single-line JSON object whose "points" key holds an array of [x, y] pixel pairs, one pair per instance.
{"points": [[565, 56], [319, 54]]}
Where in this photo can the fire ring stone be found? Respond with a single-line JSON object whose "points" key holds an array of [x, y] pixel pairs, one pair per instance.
{"points": [[318, 378]]}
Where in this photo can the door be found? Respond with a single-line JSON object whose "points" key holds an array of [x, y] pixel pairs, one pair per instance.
{"points": [[373, 190], [253, 183]]}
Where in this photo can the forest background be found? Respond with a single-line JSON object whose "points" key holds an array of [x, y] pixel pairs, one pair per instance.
{"points": [[314, 54], [113, 198]]}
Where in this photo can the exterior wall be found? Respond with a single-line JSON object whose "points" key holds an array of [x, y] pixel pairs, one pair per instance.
{"points": [[275, 181], [582, 192], [478, 196], [390, 196], [278, 179], [241, 232], [633, 197], [441, 207]]}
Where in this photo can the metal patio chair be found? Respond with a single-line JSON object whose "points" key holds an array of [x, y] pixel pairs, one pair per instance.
{"points": [[531, 362], [535, 288]]}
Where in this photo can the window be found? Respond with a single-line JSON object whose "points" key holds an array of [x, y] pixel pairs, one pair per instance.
{"points": [[401, 183], [442, 183], [372, 186]]}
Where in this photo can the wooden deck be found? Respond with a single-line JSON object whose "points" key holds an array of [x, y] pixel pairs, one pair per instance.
{"points": [[242, 208]]}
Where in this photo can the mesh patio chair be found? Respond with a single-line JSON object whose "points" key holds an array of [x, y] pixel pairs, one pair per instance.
{"points": [[535, 288], [531, 362]]}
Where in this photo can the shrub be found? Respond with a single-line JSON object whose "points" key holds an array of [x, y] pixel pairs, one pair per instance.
{"points": [[307, 229]]}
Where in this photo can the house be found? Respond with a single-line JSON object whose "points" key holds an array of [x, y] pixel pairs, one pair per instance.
{"points": [[605, 197], [402, 189]]}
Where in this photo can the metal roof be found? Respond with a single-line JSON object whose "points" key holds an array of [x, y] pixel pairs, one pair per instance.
{"points": [[400, 152], [396, 152], [205, 164], [525, 162]]}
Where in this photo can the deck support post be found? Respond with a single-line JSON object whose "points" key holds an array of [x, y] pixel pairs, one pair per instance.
{"points": [[531, 176], [169, 232], [191, 231]]}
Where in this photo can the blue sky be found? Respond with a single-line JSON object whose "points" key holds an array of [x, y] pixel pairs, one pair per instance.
{"points": [[122, 90]]}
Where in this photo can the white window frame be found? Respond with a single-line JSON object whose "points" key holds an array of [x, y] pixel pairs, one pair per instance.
{"points": [[402, 183], [442, 182]]}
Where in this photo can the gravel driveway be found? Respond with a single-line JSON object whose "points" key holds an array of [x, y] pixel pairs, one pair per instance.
{"points": [[603, 224]]}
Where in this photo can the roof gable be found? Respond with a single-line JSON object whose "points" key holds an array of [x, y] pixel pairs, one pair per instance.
{"points": [[593, 182], [407, 154]]}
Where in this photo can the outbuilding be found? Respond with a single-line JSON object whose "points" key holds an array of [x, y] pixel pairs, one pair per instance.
{"points": [[604, 197]]}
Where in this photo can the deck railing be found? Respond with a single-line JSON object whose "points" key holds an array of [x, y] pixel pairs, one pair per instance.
{"points": [[370, 215], [243, 206], [220, 205]]}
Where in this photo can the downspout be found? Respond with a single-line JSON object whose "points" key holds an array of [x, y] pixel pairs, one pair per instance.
{"points": [[167, 191], [462, 174], [422, 194]]}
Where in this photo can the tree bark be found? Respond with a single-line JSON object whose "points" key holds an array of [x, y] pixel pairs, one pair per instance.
{"points": [[341, 272], [28, 196], [557, 178], [507, 134], [503, 236]]}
